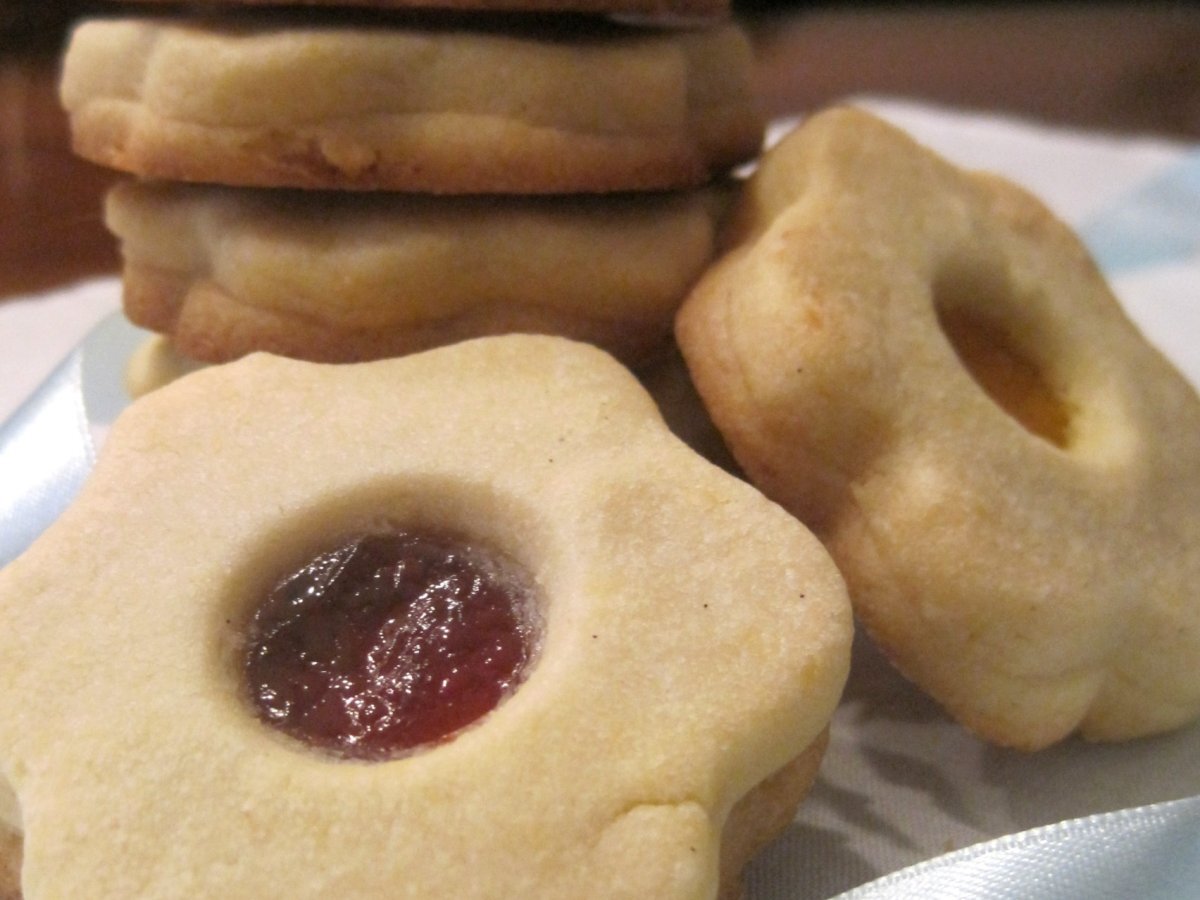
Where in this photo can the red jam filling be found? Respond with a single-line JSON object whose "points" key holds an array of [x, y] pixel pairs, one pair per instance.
{"points": [[389, 642]]}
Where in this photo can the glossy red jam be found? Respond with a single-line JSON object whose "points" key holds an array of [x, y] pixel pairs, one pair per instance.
{"points": [[389, 642]]}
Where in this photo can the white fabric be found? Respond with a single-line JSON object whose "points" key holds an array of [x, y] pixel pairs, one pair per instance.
{"points": [[901, 784]]}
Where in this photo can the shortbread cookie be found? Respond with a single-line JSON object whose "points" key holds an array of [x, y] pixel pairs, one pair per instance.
{"points": [[657, 10], [379, 105], [927, 367], [155, 363], [338, 277], [10, 862], [471, 622]]}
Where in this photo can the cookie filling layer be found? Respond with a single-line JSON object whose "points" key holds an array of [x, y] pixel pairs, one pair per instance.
{"points": [[388, 642]]}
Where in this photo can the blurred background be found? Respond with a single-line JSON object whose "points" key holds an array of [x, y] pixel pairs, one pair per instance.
{"points": [[1128, 67], [1114, 66]]}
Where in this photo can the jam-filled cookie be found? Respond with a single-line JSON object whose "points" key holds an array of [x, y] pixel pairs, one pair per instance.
{"points": [[457, 107], [927, 367], [466, 623], [657, 10], [337, 277]]}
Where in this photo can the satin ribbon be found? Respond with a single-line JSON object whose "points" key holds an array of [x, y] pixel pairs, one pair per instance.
{"points": [[1145, 853], [46, 452], [48, 446], [1158, 222]]}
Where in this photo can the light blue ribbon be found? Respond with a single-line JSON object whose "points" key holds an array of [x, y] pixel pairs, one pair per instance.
{"points": [[46, 447], [46, 453], [1145, 853], [1158, 222]]}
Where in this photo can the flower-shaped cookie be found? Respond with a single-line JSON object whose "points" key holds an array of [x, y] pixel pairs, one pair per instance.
{"points": [[927, 367], [462, 105], [690, 10], [343, 277], [692, 641]]}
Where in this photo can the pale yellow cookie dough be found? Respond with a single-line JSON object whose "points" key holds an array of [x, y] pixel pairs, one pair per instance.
{"points": [[695, 642], [153, 364], [338, 277], [927, 367], [659, 11], [368, 105]]}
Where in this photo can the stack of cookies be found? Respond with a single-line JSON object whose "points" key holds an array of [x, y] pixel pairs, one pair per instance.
{"points": [[344, 181]]}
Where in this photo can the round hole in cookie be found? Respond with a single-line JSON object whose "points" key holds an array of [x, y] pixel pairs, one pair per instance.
{"points": [[386, 631], [1001, 367], [389, 640]]}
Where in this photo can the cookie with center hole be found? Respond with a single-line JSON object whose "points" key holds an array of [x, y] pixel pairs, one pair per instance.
{"points": [[926, 366], [466, 623]]}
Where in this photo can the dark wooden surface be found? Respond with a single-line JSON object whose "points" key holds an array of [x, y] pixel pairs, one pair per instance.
{"points": [[1127, 68]]}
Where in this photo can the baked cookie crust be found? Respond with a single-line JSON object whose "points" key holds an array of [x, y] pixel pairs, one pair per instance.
{"points": [[657, 11], [450, 109], [341, 277], [696, 640], [926, 367]]}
